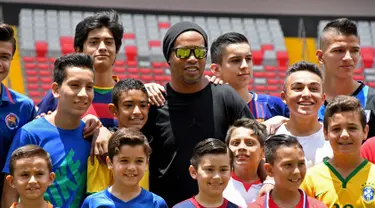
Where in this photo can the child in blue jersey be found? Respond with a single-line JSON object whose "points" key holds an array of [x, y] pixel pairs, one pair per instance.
{"points": [[211, 165], [60, 133], [15, 109], [128, 153], [232, 62], [30, 174]]}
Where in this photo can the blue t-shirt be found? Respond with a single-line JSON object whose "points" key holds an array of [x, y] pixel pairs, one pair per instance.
{"points": [[193, 203], [15, 111], [104, 198], [69, 153], [264, 107]]}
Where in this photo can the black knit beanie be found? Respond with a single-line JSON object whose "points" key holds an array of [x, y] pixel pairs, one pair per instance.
{"points": [[173, 32]]}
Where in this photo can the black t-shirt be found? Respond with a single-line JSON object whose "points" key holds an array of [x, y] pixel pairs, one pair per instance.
{"points": [[176, 127]]}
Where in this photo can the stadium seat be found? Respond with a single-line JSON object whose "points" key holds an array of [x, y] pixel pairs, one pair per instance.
{"points": [[133, 70], [158, 71], [45, 73], [119, 70], [145, 71], [31, 72], [32, 79], [46, 79], [147, 78], [28, 59], [34, 93], [130, 36], [41, 48], [282, 58], [46, 87], [119, 63], [30, 66], [32, 86], [257, 57]]}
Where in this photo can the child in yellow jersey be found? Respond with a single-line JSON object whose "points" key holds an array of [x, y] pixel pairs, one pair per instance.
{"points": [[346, 180], [130, 106]]}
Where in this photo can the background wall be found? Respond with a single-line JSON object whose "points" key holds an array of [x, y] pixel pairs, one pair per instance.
{"points": [[280, 7]]}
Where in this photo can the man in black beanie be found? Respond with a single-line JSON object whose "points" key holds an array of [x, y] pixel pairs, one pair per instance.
{"points": [[194, 110]]}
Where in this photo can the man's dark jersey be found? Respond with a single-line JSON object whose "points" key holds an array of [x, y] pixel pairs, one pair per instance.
{"points": [[176, 127], [366, 96]]}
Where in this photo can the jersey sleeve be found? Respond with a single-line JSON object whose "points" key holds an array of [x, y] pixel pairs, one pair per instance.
{"points": [[368, 150], [21, 138], [161, 203], [308, 186], [277, 107], [86, 203], [99, 177], [48, 103]]}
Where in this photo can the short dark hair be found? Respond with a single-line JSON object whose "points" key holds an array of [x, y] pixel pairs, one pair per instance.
{"points": [[260, 130], [342, 26], [108, 19], [273, 143], [127, 136], [302, 66], [126, 85], [344, 103], [71, 60], [209, 146], [29, 151], [7, 35], [219, 45]]}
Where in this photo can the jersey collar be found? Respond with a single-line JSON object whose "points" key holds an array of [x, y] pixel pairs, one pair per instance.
{"points": [[5, 94]]}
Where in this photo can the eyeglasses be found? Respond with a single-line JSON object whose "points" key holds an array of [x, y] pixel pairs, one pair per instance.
{"points": [[184, 53]]}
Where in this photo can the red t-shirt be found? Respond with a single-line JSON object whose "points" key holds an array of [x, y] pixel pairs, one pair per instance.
{"points": [[310, 202], [368, 150]]}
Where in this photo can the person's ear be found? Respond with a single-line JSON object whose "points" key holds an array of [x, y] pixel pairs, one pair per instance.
{"points": [[52, 177], [112, 109], [55, 90], [268, 169], [283, 96], [109, 163], [319, 56], [365, 131], [10, 180], [216, 70], [193, 172]]}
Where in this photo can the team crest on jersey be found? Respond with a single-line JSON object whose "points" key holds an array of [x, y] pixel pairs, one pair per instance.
{"points": [[12, 121], [368, 193]]}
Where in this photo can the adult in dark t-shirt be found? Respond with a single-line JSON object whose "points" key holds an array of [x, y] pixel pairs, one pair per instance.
{"points": [[194, 110]]}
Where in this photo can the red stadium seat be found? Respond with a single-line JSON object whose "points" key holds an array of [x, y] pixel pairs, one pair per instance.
{"points": [[132, 63], [31, 72], [46, 79], [275, 94], [34, 93], [131, 52], [270, 75], [159, 78], [266, 47], [250, 87], [157, 64], [119, 70], [45, 73], [282, 68], [122, 76], [147, 78], [260, 88], [164, 25], [32, 79], [120, 63], [282, 58], [367, 60], [32, 86], [167, 78], [130, 36], [359, 77], [134, 76], [154, 43], [282, 75], [66, 40], [371, 84], [46, 87], [43, 67], [358, 71], [272, 81], [368, 51], [269, 68], [41, 59], [145, 71], [257, 57], [67, 48], [133, 70], [28, 59], [158, 71], [41, 48], [260, 74], [30, 66], [272, 88], [52, 60]]}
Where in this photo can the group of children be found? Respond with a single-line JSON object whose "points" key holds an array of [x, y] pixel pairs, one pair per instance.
{"points": [[50, 152]]}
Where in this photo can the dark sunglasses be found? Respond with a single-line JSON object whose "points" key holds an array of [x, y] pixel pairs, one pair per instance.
{"points": [[184, 53]]}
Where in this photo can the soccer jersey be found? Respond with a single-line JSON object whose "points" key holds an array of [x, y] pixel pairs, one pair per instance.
{"points": [[264, 107], [304, 202], [99, 106], [312, 146], [15, 111], [107, 199], [241, 193], [325, 183], [366, 96], [193, 203], [68, 151]]}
